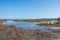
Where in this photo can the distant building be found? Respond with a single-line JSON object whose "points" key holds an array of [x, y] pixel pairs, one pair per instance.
{"points": [[51, 21]]}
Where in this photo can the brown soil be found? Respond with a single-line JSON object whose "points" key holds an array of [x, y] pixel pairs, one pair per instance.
{"points": [[13, 33]]}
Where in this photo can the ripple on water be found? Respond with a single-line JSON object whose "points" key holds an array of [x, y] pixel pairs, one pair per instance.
{"points": [[30, 26]]}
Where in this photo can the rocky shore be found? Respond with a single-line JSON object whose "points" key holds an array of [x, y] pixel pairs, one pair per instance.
{"points": [[13, 33]]}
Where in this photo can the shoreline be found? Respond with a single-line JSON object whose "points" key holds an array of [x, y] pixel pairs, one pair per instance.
{"points": [[58, 25]]}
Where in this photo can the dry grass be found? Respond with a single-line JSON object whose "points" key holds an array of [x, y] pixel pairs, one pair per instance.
{"points": [[13, 33], [1, 22]]}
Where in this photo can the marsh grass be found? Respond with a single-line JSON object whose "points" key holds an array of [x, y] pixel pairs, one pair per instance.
{"points": [[1, 22], [28, 20]]}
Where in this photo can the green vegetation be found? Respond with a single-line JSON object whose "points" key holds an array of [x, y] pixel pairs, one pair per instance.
{"points": [[1, 22], [32, 20], [28, 20]]}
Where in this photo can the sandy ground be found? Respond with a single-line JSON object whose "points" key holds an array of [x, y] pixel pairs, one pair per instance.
{"points": [[13, 33]]}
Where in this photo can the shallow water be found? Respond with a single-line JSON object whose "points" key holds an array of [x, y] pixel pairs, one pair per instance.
{"points": [[30, 26], [24, 25]]}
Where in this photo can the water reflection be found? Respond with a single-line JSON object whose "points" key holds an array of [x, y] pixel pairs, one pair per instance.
{"points": [[30, 26]]}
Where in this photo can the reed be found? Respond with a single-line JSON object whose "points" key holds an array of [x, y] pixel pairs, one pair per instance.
{"points": [[1, 22]]}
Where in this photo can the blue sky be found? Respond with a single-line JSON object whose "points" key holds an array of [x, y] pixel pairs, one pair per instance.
{"points": [[29, 9]]}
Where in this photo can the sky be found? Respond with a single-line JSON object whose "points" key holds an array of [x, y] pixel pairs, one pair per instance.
{"points": [[29, 9]]}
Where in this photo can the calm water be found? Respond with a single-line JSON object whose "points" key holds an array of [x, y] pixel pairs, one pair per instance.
{"points": [[24, 25], [29, 26]]}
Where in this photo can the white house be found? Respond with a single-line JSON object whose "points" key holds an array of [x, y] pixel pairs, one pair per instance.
{"points": [[49, 22]]}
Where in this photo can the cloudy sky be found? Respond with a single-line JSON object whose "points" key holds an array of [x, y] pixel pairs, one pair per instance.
{"points": [[28, 9]]}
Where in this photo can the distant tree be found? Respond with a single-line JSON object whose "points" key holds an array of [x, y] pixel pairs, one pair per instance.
{"points": [[58, 18]]}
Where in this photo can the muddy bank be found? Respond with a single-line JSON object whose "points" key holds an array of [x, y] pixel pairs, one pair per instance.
{"points": [[58, 25], [13, 33]]}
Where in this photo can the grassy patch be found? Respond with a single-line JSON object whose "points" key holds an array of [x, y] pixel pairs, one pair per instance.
{"points": [[1, 22]]}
